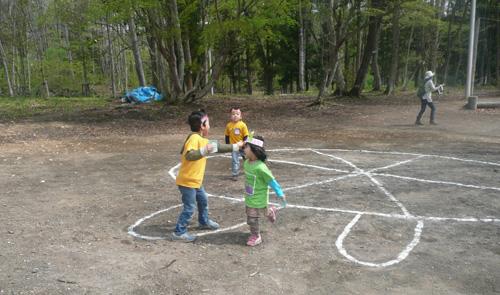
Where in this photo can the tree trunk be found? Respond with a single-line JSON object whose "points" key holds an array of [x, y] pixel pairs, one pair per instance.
{"points": [[377, 78], [13, 76], [391, 83], [67, 44], [331, 52], [189, 72], [374, 24], [153, 61], [340, 82], [268, 74], [407, 61], [112, 61], [85, 82], [136, 51], [177, 39], [449, 42], [435, 39], [302, 50], [3, 57], [248, 66]]}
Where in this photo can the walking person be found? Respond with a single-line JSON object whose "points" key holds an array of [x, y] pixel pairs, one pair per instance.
{"points": [[425, 94]]}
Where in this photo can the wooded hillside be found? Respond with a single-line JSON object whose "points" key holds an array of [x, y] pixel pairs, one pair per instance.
{"points": [[189, 48]]}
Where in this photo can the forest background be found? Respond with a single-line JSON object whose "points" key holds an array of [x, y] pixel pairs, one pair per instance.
{"points": [[188, 49]]}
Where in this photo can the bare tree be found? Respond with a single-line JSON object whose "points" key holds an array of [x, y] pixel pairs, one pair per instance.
{"points": [[377, 78], [111, 59], [3, 57], [374, 23], [391, 83], [302, 50], [136, 51]]}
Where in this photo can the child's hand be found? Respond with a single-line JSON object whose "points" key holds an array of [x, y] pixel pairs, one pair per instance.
{"points": [[210, 148], [240, 144], [283, 201]]}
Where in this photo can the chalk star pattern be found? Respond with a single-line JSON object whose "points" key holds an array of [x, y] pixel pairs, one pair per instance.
{"points": [[353, 171]]}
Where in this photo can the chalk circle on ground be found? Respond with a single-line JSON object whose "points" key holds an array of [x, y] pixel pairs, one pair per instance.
{"points": [[353, 171]]}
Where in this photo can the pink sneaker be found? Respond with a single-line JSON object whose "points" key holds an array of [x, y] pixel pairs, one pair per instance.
{"points": [[272, 213], [254, 240]]}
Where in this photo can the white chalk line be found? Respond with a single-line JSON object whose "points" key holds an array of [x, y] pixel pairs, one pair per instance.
{"points": [[387, 193], [132, 232], [337, 158], [401, 256], [438, 181], [396, 164], [390, 153], [357, 171], [372, 179], [372, 213], [138, 222]]}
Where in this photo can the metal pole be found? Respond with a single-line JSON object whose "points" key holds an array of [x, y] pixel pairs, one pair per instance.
{"points": [[468, 86], [474, 55]]}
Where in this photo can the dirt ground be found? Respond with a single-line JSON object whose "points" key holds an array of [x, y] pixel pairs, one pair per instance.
{"points": [[72, 187]]}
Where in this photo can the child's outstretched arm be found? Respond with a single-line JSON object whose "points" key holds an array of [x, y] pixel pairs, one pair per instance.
{"points": [[279, 192], [194, 155], [227, 148]]}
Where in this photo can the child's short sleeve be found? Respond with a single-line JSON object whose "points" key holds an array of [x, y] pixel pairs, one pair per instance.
{"points": [[193, 143], [227, 132], [266, 174], [244, 130]]}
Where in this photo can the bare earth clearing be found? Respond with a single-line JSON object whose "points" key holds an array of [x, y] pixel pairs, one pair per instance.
{"points": [[417, 211]]}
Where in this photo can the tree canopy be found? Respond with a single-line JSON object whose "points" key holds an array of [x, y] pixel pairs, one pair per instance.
{"points": [[187, 49]]}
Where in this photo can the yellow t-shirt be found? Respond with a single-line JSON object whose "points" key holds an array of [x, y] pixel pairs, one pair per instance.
{"points": [[191, 173], [236, 131]]}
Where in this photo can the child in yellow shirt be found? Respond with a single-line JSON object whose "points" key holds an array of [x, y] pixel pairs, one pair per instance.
{"points": [[236, 130], [191, 174]]}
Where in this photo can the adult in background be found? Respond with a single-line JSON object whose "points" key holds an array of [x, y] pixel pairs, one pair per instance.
{"points": [[425, 94]]}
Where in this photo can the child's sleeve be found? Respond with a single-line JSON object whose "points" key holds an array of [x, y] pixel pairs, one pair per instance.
{"points": [[271, 181], [227, 148], [244, 131], [194, 149], [227, 132], [276, 188]]}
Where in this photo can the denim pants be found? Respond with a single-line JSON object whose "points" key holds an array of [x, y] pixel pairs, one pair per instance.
{"points": [[235, 162], [423, 106], [192, 198]]}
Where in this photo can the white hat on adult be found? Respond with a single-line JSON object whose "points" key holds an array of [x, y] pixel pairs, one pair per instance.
{"points": [[429, 74]]}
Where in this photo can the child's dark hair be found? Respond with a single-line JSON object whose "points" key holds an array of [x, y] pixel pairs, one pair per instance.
{"points": [[195, 120], [258, 151], [235, 108]]}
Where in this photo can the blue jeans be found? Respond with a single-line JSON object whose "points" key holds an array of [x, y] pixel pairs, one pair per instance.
{"points": [[235, 162], [423, 106], [192, 198]]}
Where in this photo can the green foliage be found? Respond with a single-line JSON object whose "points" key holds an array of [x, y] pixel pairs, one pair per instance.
{"points": [[265, 31]]}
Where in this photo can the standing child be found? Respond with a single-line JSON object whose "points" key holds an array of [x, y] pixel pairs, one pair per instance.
{"points": [[258, 179], [236, 130], [191, 173]]}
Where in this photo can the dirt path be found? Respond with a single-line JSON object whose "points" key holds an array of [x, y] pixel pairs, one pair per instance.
{"points": [[70, 190]]}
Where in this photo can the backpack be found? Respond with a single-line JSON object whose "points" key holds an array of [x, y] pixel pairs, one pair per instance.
{"points": [[421, 88]]}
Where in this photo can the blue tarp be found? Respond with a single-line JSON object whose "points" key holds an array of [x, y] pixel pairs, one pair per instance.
{"points": [[143, 95]]}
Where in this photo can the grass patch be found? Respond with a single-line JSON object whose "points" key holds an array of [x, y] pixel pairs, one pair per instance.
{"points": [[27, 107]]}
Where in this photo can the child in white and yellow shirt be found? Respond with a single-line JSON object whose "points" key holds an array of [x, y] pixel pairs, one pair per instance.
{"points": [[236, 131]]}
